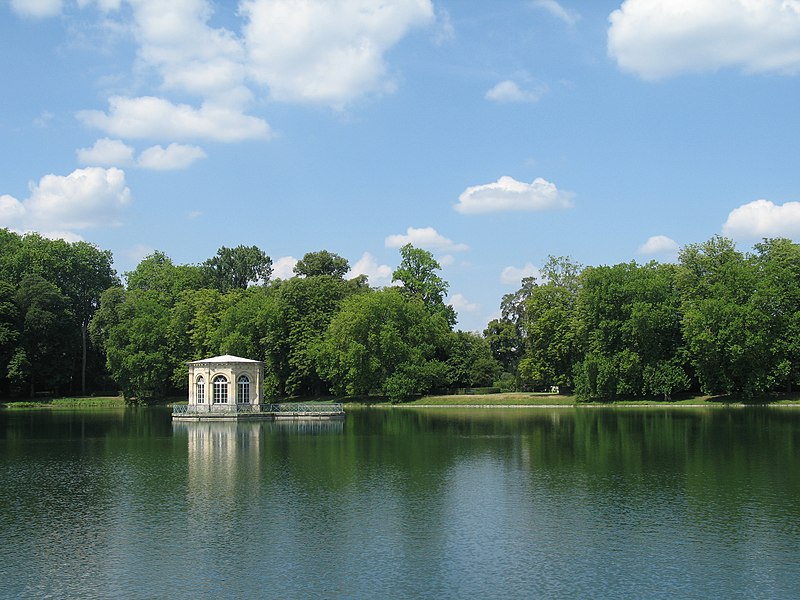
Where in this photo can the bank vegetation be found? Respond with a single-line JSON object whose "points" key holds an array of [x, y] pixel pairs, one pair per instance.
{"points": [[718, 322]]}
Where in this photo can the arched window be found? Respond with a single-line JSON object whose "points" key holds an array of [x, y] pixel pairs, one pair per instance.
{"points": [[243, 389], [200, 390], [220, 389]]}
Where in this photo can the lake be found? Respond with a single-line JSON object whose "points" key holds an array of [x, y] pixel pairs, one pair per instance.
{"points": [[403, 503]]}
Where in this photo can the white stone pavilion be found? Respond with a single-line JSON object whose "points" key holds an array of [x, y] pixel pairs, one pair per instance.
{"points": [[225, 382]]}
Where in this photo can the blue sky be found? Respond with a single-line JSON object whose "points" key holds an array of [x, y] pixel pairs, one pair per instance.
{"points": [[492, 134]]}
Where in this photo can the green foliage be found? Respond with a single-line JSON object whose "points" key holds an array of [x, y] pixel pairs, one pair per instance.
{"points": [[725, 329], [538, 327], [322, 263], [237, 268], [156, 272], [628, 329], [470, 362], [386, 344], [417, 274], [44, 340]]}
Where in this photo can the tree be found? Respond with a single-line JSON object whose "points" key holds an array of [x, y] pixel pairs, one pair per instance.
{"points": [[322, 263], [544, 317], [417, 274], [156, 272], [42, 354], [135, 329], [628, 331], [724, 326], [306, 308], [237, 267], [470, 362], [85, 274], [778, 297], [383, 343], [9, 329]]}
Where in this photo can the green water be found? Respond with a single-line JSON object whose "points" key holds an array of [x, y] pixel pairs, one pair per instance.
{"points": [[403, 503]]}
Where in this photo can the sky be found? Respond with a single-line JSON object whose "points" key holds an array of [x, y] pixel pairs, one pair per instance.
{"points": [[493, 134]]}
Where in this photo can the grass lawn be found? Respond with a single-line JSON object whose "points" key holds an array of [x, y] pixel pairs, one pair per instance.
{"points": [[78, 402], [541, 399]]}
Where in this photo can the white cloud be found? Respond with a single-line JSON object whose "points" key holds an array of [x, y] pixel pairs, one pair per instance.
{"points": [[85, 198], [43, 120], [283, 268], [38, 9], [326, 51], [461, 304], [367, 265], [106, 152], [556, 10], [104, 5], [508, 194], [446, 260], [424, 237], [762, 218], [156, 118], [174, 156], [659, 244], [509, 91], [514, 275], [660, 38], [175, 39], [445, 32], [138, 252]]}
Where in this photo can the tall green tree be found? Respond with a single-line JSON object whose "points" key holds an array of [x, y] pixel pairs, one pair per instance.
{"points": [[470, 362], [629, 333], [322, 263], [41, 358], [237, 267], [777, 296], [725, 329], [156, 272], [9, 330], [417, 273], [134, 327], [382, 343], [544, 316]]}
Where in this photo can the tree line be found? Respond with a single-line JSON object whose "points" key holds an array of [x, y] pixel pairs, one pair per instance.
{"points": [[719, 321]]}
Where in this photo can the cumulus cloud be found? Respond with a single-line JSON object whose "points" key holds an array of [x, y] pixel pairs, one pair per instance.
{"points": [[514, 275], [106, 152], [509, 91], [283, 268], [424, 237], [660, 38], [762, 218], [38, 9], [367, 265], [157, 118], [461, 304], [86, 198], [556, 10], [174, 156], [104, 5], [659, 245], [508, 194], [176, 40], [323, 51]]}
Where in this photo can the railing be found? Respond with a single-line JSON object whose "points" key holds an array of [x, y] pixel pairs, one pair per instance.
{"points": [[290, 407], [298, 407]]}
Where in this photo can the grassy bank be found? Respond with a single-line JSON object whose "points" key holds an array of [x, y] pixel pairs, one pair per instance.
{"points": [[539, 399], [77, 402]]}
